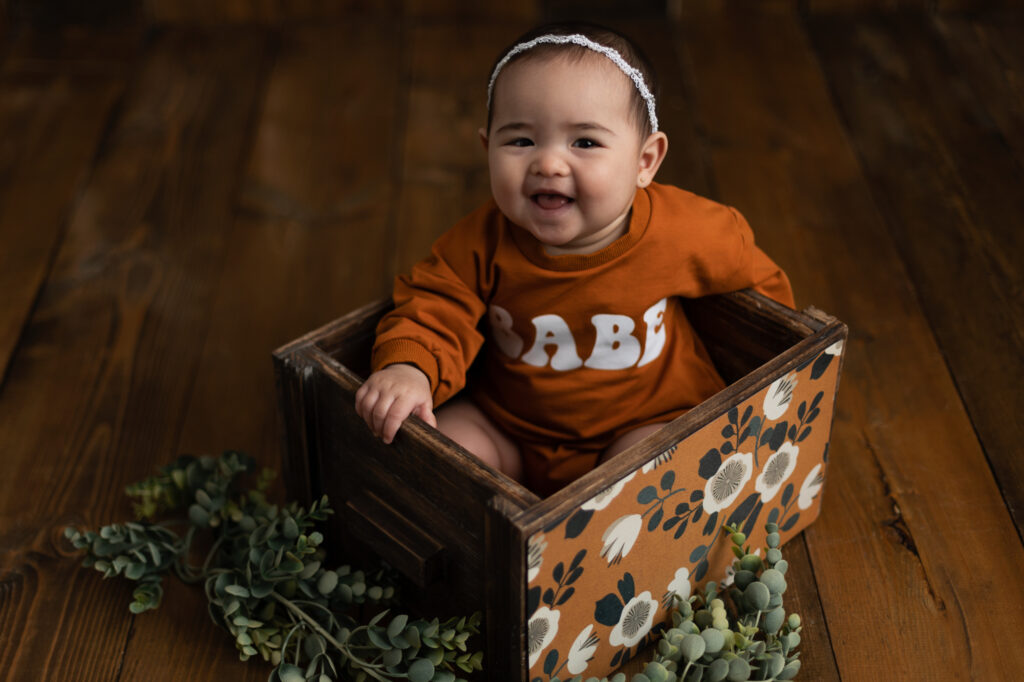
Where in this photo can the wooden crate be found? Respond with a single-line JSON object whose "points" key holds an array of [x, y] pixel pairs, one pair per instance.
{"points": [[582, 574]]}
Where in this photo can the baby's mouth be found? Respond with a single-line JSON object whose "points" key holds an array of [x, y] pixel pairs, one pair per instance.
{"points": [[551, 201]]}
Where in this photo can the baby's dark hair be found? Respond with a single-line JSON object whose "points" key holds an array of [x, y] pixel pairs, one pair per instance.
{"points": [[601, 35]]}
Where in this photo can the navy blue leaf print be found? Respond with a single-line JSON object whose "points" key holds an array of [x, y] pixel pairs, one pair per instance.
{"points": [[647, 495], [608, 610], [627, 589], [550, 661], [532, 600], [575, 575], [667, 480], [698, 553], [565, 597], [549, 597], [820, 365], [778, 435], [773, 515], [681, 529], [700, 571], [576, 561], [791, 521], [618, 654], [558, 572], [748, 527], [743, 509], [697, 494], [786, 494], [655, 519], [712, 524], [709, 464], [578, 523]]}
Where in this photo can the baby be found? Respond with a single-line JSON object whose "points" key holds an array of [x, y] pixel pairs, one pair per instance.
{"points": [[569, 281]]}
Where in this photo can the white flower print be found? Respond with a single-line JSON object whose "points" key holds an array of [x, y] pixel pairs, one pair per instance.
{"points": [[541, 631], [635, 622], [776, 470], [604, 498], [620, 536], [664, 457], [680, 585], [779, 395], [582, 650], [812, 485], [722, 488], [836, 348], [535, 555]]}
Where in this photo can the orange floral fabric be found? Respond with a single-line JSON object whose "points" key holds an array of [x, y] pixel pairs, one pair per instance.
{"points": [[600, 580]]}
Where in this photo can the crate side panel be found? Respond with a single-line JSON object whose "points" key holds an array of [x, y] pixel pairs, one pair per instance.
{"points": [[605, 573], [424, 489]]}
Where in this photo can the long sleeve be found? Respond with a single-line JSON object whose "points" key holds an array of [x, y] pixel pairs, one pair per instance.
{"points": [[437, 309]]}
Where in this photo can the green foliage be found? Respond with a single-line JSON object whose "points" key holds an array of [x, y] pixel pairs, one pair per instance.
{"points": [[267, 586], [743, 634], [265, 581]]}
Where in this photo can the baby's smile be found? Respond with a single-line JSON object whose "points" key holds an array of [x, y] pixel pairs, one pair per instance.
{"points": [[551, 200]]}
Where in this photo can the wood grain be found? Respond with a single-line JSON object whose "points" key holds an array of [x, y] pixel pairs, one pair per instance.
{"points": [[53, 119], [948, 187], [911, 507], [444, 166], [184, 192], [109, 359]]}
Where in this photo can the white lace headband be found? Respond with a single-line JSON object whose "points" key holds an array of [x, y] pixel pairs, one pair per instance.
{"points": [[576, 39]]}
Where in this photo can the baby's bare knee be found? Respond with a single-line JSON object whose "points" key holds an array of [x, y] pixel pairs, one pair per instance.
{"points": [[465, 424]]}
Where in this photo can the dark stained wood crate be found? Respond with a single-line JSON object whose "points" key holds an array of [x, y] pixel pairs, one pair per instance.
{"points": [[553, 575]]}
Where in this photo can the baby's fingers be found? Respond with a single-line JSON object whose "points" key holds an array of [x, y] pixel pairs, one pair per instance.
{"points": [[424, 412], [392, 421]]}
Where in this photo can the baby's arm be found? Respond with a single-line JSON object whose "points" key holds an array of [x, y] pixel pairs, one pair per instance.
{"points": [[392, 394]]}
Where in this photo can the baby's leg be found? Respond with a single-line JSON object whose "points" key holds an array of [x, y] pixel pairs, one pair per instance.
{"points": [[629, 439], [464, 423]]}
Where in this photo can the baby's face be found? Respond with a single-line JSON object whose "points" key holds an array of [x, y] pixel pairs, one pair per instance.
{"points": [[564, 152]]}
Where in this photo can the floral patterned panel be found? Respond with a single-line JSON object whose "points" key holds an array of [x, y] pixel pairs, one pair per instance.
{"points": [[600, 580]]}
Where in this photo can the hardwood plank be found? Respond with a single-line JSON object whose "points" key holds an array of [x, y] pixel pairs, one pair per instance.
{"points": [[986, 51], [912, 512], [96, 396], [56, 624], [292, 12], [315, 194], [53, 120], [444, 166], [949, 190]]}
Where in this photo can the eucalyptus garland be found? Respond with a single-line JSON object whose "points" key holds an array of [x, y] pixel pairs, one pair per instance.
{"points": [[266, 585], [265, 581]]}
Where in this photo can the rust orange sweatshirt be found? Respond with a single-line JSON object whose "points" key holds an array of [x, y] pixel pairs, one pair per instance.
{"points": [[575, 347]]}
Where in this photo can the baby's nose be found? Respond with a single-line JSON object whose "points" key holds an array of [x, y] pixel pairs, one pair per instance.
{"points": [[549, 163]]}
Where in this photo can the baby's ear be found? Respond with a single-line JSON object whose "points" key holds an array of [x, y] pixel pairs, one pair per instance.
{"points": [[483, 137], [652, 153]]}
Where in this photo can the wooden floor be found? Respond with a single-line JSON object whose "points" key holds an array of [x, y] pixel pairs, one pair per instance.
{"points": [[176, 202]]}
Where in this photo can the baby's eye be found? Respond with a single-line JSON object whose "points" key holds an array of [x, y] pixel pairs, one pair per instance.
{"points": [[520, 142], [585, 143]]}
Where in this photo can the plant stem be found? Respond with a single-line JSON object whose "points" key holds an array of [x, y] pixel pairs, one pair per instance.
{"points": [[302, 615]]}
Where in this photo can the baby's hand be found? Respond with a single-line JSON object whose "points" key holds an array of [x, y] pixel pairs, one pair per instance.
{"points": [[392, 394]]}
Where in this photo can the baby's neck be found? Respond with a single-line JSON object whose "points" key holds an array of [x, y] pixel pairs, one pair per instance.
{"points": [[606, 240]]}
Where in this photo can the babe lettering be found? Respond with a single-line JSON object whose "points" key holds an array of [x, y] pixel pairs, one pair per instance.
{"points": [[616, 346]]}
